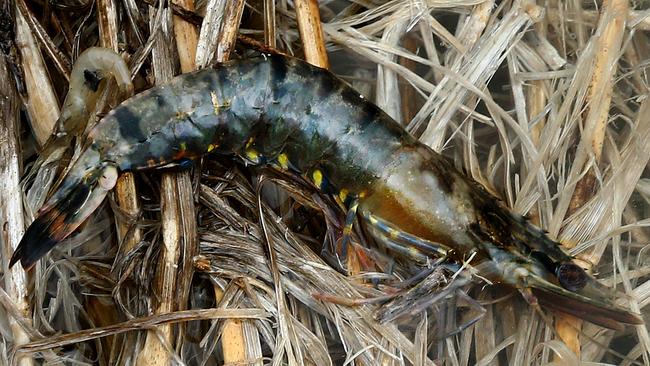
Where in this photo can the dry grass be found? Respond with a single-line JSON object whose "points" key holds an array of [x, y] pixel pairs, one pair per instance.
{"points": [[544, 104]]}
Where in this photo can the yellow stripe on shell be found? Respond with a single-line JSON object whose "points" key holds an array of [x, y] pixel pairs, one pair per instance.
{"points": [[317, 177], [249, 142], [252, 155], [283, 160], [343, 195]]}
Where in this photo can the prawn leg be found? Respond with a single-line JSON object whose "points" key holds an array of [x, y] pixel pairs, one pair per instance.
{"points": [[396, 247], [347, 229], [399, 237]]}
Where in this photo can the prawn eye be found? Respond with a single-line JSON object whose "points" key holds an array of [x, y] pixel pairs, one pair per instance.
{"points": [[108, 178], [571, 276]]}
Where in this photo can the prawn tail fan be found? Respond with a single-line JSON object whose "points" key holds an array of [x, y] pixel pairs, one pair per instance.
{"points": [[69, 207], [50, 227]]}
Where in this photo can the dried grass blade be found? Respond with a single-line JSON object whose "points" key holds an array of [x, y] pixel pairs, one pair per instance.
{"points": [[141, 324], [61, 62], [42, 104]]}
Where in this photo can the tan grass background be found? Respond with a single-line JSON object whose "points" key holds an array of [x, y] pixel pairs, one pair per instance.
{"points": [[543, 102]]}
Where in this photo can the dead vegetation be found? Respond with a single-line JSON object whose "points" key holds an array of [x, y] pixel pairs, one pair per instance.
{"points": [[544, 103]]}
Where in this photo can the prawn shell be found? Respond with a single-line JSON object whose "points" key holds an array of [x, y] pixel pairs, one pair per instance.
{"points": [[280, 111]]}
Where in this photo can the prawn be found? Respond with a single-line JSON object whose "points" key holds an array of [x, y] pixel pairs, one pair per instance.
{"points": [[281, 112]]}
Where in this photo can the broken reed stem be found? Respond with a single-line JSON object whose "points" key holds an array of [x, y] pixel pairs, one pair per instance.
{"points": [[636, 18], [600, 92], [154, 351], [228, 36], [387, 91], [474, 26], [566, 326], [11, 310], [269, 23], [187, 37], [126, 197], [536, 100], [42, 105], [107, 21], [407, 93], [613, 19], [311, 32], [11, 209], [233, 344], [211, 24]]}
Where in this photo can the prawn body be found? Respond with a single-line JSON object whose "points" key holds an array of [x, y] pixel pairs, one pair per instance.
{"points": [[279, 111]]}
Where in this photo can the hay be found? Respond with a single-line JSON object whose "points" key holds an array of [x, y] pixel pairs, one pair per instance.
{"points": [[546, 105]]}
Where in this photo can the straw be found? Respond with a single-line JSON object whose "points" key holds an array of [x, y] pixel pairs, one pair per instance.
{"points": [[543, 103]]}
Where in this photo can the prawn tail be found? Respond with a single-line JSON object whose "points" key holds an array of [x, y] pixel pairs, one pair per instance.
{"points": [[69, 208], [92, 67]]}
